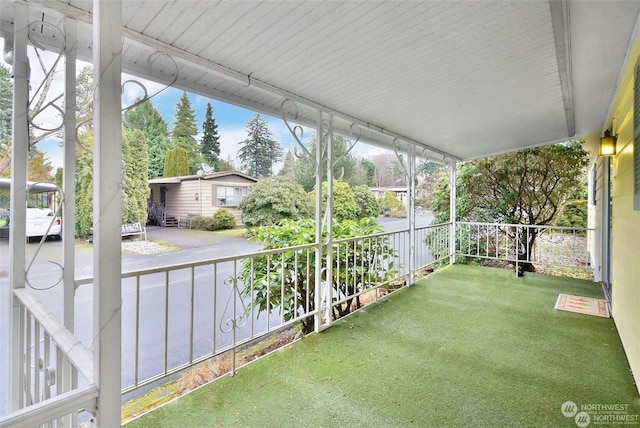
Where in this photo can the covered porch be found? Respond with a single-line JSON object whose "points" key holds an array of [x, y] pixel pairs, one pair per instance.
{"points": [[439, 81], [465, 346]]}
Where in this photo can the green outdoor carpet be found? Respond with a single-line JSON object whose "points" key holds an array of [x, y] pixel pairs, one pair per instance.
{"points": [[466, 346]]}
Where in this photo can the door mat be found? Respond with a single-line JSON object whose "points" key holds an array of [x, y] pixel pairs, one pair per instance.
{"points": [[582, 305]]}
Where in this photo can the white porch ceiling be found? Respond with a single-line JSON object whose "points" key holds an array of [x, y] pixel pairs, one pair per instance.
{"points": [[465, 79]]}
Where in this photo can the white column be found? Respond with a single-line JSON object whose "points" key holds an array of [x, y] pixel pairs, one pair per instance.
{"points": [[452, 212], [18, 204], [69, 170], [69, 379], [107, 208], [411, 213], [319, 245], [329, 223]]}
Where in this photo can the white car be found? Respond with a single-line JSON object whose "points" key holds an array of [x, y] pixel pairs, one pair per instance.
{"points": [[38, 221]]}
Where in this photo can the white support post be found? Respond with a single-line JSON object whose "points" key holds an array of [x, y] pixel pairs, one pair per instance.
{"points": [[319, 244], [452, 212], [18, 204], [69, 170], [107, 209], [411, 213], [69, 379], [329, 224]]}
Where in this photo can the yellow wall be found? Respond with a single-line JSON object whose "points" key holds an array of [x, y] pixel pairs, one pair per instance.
{"points": [[625, 271]]}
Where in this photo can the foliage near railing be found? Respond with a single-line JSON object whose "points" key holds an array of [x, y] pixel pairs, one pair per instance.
{"points": [[287, 281], [533, 247]]}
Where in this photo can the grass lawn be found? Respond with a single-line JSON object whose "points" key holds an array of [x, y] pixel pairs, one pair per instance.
{"points": [[467, 346], [240, 231]]}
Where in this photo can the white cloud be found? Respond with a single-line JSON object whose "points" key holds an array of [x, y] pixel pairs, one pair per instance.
{"points": [[229, 139]]}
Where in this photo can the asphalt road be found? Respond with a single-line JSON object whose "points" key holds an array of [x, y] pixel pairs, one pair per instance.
{"points": [[157, 318]]}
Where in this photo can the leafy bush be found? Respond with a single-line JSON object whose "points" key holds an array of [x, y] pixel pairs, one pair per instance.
{"points": [[203, 223], [273, 199], [575, 215], [392, 206], [356, 266], [368, 204], [223, 219], [344, 200], [423, 202]]}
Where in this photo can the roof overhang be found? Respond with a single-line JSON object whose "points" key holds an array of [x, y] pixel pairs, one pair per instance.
{"points": [[208, 176], [457, 80], [32, 186]]}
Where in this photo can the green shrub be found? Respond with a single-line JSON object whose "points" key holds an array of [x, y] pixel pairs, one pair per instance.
{"points": [[273, 199], [368, 204], [423, 202], [224, 219], [204, 223], [344, 201], [392, 206], [356, 266]]}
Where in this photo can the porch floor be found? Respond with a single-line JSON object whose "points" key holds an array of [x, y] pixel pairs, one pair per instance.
{"points": [[466, 346]]}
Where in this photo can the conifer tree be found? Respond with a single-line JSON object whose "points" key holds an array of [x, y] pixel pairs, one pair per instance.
{"points": [[6, 105], [185, 130], [136, 188], [176, 163], [289, 166], [259, 151], [147, 118], [211, 139]]}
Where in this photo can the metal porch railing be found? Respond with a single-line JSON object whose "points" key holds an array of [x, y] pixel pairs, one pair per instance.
{"points": [[176, 316], [51, 358], [552, 247]]}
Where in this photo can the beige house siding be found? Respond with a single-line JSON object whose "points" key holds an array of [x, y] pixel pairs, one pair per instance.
{"points": [[625, 239], [197, 195]]}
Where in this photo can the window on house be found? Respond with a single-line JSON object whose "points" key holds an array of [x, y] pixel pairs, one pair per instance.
{"points": [[230, 196]]}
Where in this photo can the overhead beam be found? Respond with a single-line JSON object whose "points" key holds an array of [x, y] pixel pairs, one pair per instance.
{"points": [[378, 134], [561, 34]]}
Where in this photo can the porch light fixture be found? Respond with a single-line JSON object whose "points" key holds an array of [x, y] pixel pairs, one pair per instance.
{"points": [[608, 144]]}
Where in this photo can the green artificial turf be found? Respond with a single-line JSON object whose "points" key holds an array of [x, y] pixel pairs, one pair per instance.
{"points": [[467, 346]]}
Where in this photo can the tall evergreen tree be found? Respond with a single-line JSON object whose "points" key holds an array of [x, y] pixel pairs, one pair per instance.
{"points": [[6, 105], [136, 189], [182, 162], [169, 164], [147, 118], [289, 167], [259, 151], [6, 109], [176, 163], [210, 139], [84, 186], [185, 130]]}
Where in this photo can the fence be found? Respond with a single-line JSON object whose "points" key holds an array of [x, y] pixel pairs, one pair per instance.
{"points": [[552, 248], [50, 360], [176, 316]]}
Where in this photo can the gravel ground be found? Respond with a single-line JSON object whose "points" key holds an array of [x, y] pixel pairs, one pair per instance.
{"points": [[144, 247]]}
